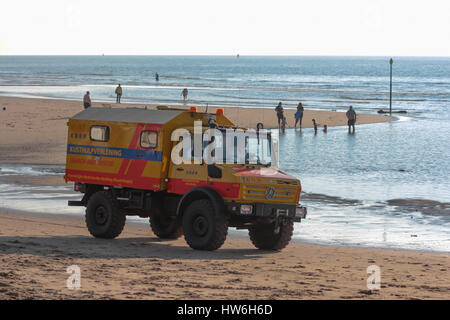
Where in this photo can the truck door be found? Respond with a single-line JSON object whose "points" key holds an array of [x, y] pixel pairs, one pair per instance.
{"points": [[188, 174]]}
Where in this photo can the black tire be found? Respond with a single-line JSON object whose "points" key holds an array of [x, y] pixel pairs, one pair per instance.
{"points": [[204, 229], [264, 237], [165, 227], [103, 218]]}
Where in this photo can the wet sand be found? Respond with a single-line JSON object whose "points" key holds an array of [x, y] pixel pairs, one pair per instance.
{"points": [[36, 249], [35, 130]]}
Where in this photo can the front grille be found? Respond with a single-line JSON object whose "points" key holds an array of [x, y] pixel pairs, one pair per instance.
{"points": [[282, 194]]}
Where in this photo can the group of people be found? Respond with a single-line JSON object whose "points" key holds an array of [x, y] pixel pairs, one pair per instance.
{"points": [[87, 97], [282, 122], [87, 103]]}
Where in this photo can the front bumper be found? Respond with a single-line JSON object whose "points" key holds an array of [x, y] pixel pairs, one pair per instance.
{"points": [[268, 210]]}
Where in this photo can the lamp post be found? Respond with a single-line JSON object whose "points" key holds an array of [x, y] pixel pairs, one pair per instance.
{"points": [[390, 89]]}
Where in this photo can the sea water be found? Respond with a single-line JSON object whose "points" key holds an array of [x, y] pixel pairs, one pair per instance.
{"points": [[385, 186]]}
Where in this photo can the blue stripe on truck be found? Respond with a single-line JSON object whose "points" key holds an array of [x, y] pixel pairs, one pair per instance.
{"points": [[123, 153]]}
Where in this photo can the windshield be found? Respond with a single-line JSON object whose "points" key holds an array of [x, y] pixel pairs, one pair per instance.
{"points": [[230, 146], [248, 148], [258, 150]]}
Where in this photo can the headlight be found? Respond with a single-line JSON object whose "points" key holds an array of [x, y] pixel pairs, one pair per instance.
{"points": [[300, 212], [246, 209]]}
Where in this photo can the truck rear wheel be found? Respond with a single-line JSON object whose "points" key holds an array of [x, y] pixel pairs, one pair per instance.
{"points": [[204, 229], [165, 227], [103, 218], [265, 237]]}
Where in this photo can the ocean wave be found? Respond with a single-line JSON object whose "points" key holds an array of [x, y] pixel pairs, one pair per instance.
{"points": [[97, 74], [379, 99], [191, 78], [344, 93]]}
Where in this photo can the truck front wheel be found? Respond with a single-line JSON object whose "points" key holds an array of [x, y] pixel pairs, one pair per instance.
{"points": [[204, 228], [165, 227], [267, 237], [103, 218]]}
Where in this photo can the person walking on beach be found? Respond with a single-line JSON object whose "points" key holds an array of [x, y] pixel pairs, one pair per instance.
{"points": [[184, 93], [87, 100], [299, 115], [280, 113], [118, 93], [351, 117]]}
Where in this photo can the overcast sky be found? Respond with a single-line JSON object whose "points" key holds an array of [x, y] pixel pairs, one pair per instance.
{"points": [[276, 27]]}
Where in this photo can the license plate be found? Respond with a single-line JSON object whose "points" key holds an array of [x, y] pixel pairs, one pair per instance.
{"points": [[282, 212]]}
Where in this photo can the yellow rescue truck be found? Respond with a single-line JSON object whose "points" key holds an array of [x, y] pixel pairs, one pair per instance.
{"points": [[121, 161]]}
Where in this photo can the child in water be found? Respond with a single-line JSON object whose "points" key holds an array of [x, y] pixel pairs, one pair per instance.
{"points": [[283, 124], [315, 125]]}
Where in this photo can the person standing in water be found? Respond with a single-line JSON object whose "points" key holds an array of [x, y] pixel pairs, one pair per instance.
{"points": [[156, 76], [184, 93], [87, 100], [118, 93], [299, 115], [315, 124], [280, 113], [283, 125], [351, 117]]}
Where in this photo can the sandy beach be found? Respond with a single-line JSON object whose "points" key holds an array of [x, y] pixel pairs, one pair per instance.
{"points": [[35, 131], [36, 249]]}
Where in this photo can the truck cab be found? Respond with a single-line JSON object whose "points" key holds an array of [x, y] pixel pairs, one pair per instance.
{"points": [[191, 173]]}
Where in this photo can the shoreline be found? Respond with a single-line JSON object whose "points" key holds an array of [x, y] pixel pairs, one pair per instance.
{"points": [[37, 249], [34, 184], [29, 126], [233, 233]]}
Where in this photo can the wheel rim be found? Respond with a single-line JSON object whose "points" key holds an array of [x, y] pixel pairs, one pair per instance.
{"points": [[101, 215], [200, 226]]}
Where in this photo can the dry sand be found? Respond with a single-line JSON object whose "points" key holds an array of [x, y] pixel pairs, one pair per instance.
{"points": [[35, 131], [36, 249]]}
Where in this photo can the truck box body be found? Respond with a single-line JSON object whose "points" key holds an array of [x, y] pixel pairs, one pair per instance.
{"points": [[118, 158]]}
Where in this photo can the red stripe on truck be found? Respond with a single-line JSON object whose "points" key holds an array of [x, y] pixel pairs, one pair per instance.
{"points": [[182, 186], [113, 179]]}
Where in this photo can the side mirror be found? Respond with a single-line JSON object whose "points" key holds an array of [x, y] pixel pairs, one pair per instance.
{"points": [[214, 172]]}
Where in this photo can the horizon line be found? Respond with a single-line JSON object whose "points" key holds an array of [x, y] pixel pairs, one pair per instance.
{"points": [[224, 55]]}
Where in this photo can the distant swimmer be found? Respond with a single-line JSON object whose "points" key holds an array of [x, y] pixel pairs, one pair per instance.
{"points": [[87, 100], [280, 113], [156, 76], [351, 116], [184, 93], [118, 93], [299, 115]]}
